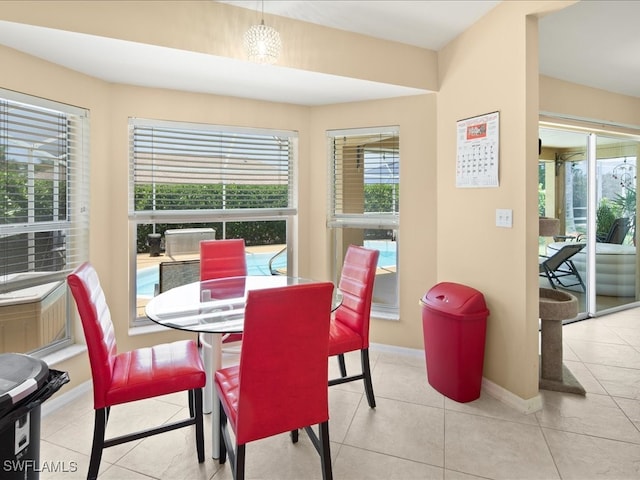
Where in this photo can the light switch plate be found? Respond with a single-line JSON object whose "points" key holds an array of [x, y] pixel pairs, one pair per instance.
{"points": [[504, 217]]}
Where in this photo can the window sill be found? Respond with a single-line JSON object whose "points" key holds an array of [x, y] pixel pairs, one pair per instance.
{"points": [[392, 316], [147, 329], [79, 348], [65, 354]]}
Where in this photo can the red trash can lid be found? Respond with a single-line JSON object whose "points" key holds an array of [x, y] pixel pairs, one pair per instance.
{"points": [[20, 376], [455, 299]]}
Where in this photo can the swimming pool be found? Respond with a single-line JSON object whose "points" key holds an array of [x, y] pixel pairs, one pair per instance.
{"points": [[258, 264], [387, 249]]}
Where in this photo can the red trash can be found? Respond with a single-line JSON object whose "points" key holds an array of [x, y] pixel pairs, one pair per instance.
{"points": [[454, 322]]}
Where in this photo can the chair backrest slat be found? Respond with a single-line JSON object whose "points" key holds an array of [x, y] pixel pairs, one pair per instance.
{"points": [[283, 362], [97, 326], [222, 258], [356, 285]]}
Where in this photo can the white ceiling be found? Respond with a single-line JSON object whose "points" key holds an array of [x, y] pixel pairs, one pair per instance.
{"points": [[584, 43], [594, 43], [148, 65], [121, 61], [424, 23]]}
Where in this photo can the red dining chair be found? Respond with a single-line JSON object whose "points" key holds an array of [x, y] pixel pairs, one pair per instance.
{"points": [[125, 377], [220, 259], [350, 323], [267, 393]]}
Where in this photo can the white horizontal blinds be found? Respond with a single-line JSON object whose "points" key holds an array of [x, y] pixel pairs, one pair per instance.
{"points": [[43, 183], [200, 168], [364, 179]]}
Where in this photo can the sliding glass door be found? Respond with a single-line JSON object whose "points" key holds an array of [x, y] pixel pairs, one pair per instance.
{"points": [[588, 181]]}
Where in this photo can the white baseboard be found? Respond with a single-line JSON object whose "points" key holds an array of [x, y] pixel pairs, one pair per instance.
{"points": [[527, 406], [50, 406], [505, 396], [502, 395], [412, 352]]}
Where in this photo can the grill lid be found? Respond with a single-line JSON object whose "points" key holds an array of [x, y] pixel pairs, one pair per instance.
{"points": [[20, 376]]}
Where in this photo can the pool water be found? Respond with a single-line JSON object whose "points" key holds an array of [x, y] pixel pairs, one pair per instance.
{"points": [[387, 249], [258, 264]]}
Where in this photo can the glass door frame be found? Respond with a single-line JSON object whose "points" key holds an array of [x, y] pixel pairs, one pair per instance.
{"points": [[591, 135]]}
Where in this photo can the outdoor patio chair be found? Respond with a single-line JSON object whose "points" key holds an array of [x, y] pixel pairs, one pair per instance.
{"points": [[177, 273], [617, 232], [559, 266]]}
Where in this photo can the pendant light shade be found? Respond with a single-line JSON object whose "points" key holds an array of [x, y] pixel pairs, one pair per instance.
{"points": [[262, 44]]}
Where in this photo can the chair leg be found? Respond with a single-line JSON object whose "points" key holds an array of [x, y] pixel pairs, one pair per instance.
{"points": [[366, 372], [240, 454], [573, 268], [191, 404], [325, 451], [294, 436], [99, 428], [550, 279], [342, 365], [197, 407], [222, 456]]}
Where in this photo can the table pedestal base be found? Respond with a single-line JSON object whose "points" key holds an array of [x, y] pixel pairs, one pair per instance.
{"points": [[211, 352]]}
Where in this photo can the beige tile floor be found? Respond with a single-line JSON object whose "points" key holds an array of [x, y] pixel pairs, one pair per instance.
{"points": [[414, 433]]}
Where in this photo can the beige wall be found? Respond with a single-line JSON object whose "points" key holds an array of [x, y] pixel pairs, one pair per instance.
{"points": [[447, 234], [493, 67], [500, 262], [571, 100], [207, 26]]}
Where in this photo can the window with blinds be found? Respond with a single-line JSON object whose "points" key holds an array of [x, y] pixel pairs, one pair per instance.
{"points": [[180, 170], [44, 218], [190, 182], [364, 204], [365, 167]]}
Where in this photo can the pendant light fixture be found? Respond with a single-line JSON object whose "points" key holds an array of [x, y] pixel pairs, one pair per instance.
{"points": [[262, 43]]}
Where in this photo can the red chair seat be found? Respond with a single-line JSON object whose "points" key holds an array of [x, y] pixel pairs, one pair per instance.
{"points": [[154, 371], [343, 339]]}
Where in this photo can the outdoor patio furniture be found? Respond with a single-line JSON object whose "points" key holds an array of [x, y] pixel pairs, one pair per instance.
{"points": [[559, 267]]}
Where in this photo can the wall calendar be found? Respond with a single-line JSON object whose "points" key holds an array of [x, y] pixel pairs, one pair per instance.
{"points": [[478, 151]]}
